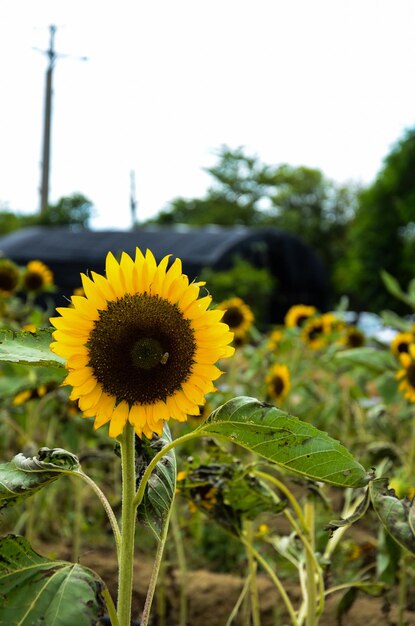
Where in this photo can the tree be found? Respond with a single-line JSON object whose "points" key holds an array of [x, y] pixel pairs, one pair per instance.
{"points": [[382, 236], [247, 192], [74, 210]]}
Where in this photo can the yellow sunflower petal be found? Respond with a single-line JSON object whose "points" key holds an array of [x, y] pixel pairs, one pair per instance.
{"points": [[118, 419], [85, 308], [114, 275], [78, 377], [93, 293], [104, 286], [88, 401]]}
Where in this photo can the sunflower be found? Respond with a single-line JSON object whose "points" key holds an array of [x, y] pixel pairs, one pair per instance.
{"points": [[407, 374], [353, 337], [274, 339], [401, 342], [140, 346], [298, 314], [317, 330], [278, 382], [37, 277], [238, 316], [9, 277]]}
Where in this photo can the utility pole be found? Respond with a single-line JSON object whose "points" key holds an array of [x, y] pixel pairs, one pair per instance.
{"points": [[133, 201], [52, 56]]}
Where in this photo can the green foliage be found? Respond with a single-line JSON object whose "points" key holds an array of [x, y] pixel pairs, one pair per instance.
{"points": [[300, 200], [382, 236], [35, 590], [28, 348], [23, 477], [75, 210], [283, 439], [254, 285], [155, 506]]}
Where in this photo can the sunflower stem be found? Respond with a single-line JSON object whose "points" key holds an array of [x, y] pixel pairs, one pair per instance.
{"points": [[128, 516]]}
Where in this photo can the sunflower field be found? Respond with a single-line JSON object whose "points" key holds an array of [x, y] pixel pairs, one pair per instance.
{"points": [[165, 462]]}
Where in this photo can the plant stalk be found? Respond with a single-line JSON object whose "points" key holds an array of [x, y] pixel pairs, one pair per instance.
{"points": [[128, 517], [311, 618], [155, 572]]}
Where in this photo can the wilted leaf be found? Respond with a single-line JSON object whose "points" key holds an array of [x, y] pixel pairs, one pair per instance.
{"points": [[227, 493], [28, 348], [397, 516], [24, 476], [285, 440], [354, 517], [37, 591], [161, 485]]}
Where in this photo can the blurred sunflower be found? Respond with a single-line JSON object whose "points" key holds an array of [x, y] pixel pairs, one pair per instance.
{"points": [[298, 314], [274, 339], [140, 346], [9, 277], [238, 316], [352, 337], [407, 374], [37, 277], [401, 342], [278, 382], [316, 330]]}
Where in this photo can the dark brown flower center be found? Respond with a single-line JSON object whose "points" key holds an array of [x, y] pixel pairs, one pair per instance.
{"points": [[355, 339], [33, 281], [403, 347], [141, 349], [300, 320], [410, 375], [233, 317], [315, 332], [8, 279], [278, 385]]}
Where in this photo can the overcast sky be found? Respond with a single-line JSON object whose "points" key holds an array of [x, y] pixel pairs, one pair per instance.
{"points": [[323, 83]]}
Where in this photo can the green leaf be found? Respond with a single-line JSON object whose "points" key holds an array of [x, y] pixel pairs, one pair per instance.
{"points": [[29, 348], [37, 591], [22, 377], [390, 318], [285, 440], [397, 516], [375, 360], [23, 476], [394, 288], [161, 485]]}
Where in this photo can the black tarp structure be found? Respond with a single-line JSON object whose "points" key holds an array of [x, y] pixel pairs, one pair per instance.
{"points": [[302, 278]]}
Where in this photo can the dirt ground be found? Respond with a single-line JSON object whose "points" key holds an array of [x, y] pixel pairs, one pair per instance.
{"points": [[212, 596]]}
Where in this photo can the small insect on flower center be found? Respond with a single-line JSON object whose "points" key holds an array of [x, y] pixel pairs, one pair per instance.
{"points": [[147, 353], [233, 317]]}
